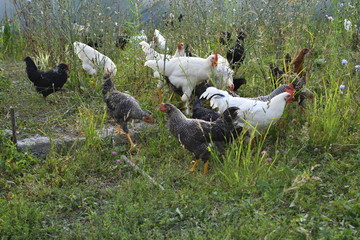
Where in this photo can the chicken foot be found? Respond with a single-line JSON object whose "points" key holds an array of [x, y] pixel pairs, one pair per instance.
{"points": [[206, 167], [120, 131], [192, 169]]}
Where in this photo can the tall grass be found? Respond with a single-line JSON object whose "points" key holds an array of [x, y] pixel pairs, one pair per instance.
{"points": [[298, 181]]}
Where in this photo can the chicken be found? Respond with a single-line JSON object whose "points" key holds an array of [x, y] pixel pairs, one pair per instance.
{"points": [[159, 40], [205, 114], [298, 63], [122, 107], [92, 60], [238, 82], [186, 72], [138, 38], [236, 54], [274, 93], [47, 82], [121, 41], [224, 74], [198, 135], [225, 37], [151, 54], [253, 112]]}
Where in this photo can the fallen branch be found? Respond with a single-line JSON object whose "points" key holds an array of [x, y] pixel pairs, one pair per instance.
{"points": [[132, 164]]}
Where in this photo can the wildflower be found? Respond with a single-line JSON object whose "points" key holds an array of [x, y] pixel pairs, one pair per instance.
{"points": [[118, 161], [113, 153], [341, 4], [268, 159], [169, 137], [263, 152], [347, 24], [342, 87], [291, 136], [234, 10], [344, 62], [357, 67]]}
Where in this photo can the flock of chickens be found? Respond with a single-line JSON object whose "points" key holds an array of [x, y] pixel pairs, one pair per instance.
{"points": [[188, 75]]}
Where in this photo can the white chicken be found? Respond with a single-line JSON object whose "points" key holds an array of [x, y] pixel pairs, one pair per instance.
{"points": [[186, 72], [151, 54], [252, 113], [159, 40], [92, 60], [138, 38], [224, 74]]}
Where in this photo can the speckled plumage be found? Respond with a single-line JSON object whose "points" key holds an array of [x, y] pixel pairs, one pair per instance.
{"points": [[197, 135], [274, 93], [121, 106]]}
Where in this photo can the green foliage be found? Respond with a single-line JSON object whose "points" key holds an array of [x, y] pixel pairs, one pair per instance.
{"points": [[298, 181]]}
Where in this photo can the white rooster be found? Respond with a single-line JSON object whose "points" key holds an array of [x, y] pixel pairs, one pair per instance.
{"points": [[252, 112], [92, 60], [186, 72]]}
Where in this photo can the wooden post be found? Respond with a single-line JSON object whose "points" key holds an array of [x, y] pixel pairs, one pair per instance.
{"points": [[13, 125]]}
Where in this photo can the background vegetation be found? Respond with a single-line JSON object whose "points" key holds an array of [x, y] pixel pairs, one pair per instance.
{"points": [[299, 182]]}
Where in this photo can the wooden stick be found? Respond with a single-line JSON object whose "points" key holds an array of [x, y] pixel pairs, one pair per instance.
{"points": [[142, 172], [13, 124]]}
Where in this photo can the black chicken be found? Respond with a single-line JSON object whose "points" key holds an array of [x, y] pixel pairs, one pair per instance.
{"points": [[46, 82], [225, 37], [122, 41], [122, 107], [198, 135], [238, 82], [205, 114], [236, 54]]}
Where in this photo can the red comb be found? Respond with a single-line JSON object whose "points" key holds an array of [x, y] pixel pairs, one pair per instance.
{"points": [[291, 91], [291, 86]]}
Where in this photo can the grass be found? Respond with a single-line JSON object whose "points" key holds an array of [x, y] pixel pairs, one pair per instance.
{"points": [[298, 182]]}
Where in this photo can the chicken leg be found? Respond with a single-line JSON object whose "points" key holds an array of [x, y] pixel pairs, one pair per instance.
{"points": [[192, 169], [120, 131], [206, 167]]}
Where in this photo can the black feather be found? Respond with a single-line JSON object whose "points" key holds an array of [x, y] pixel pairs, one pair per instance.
{"points": [[46, 82]]}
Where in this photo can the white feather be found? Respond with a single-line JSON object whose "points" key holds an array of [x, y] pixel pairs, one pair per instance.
{"points": [[92, 60], [251, 112]]}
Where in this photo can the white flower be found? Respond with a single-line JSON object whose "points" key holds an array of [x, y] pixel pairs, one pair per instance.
{"points": [[347, 24]]}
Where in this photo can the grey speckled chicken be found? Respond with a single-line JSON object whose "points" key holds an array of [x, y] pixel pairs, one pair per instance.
{"points": [[274, 93], [122, 107], [198, 135]]}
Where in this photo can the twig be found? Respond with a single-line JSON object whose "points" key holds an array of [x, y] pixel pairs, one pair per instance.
{"points": [[142, 172]]}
